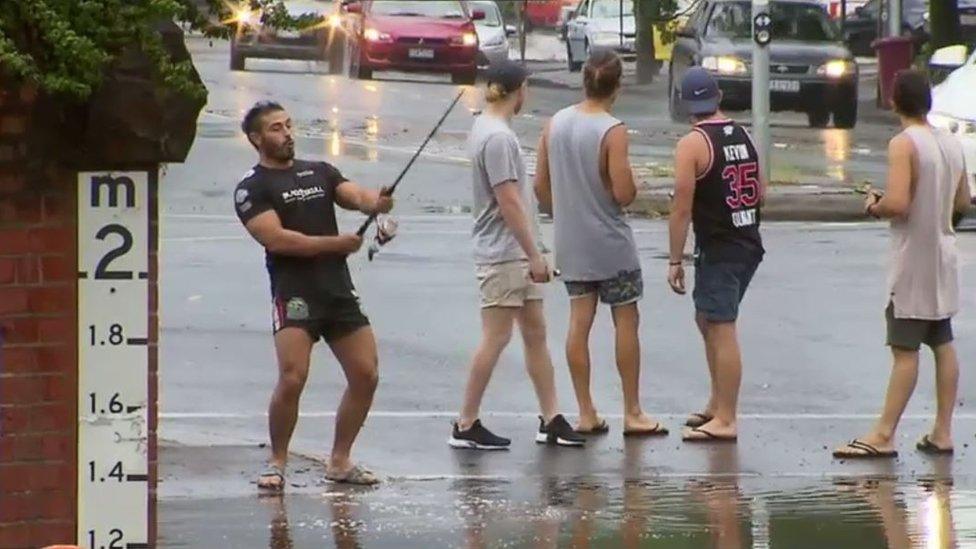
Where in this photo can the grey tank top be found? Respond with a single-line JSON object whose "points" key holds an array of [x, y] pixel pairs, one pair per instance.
{"points": [[924, 281], [592, 238]]}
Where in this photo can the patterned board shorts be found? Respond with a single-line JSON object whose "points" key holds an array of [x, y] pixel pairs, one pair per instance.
{"points": [[626, 288]]}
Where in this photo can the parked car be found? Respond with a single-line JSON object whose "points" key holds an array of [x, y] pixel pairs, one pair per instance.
{"points": [[861, 28], [597, 23], [323, 40], [492, 32], [811, 70], [547, 13], [953, 107], [415, 36]]}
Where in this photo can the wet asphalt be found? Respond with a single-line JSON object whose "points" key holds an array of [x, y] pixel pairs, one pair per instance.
{"points": [[811, 330]]}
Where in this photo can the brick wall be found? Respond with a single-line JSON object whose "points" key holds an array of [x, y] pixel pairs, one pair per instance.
{"points": [[38, 374]]}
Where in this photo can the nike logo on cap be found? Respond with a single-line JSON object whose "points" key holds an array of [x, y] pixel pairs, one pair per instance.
{"points": [[700, 91]]}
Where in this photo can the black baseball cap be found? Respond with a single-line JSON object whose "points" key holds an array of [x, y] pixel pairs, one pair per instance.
{"points": [[699, 92], [508, 74]]}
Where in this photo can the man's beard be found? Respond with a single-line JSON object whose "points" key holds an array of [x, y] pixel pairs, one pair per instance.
{"points": [[284, 153]]}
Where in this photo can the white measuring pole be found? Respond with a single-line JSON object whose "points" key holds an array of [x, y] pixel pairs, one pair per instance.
{"points": [[113, 359]]}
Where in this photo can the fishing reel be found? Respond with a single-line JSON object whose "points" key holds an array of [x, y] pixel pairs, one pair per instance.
{"points": [[386, 230]]}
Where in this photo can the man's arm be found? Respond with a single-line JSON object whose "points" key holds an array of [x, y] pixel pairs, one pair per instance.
{"points": [[622, 185], [685, 175], [513, 212], [963, 199], [267, 230], [543, 185], [898, 196], [350, 196]]}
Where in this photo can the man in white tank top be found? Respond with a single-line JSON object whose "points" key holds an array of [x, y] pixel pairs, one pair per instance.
{"points": [[926, 186]]}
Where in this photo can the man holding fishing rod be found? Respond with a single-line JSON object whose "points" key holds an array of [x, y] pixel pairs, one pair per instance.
{"points": [[510, 266], [288, 206]]}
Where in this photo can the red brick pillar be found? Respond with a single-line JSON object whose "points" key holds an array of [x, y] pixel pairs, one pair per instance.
{"points": [[38, 361]]}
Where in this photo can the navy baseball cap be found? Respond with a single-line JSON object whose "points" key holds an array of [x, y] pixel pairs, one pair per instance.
{"points": [[699, 92], [508, 74]]}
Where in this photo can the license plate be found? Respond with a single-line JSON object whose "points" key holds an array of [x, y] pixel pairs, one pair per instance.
{"points": [[787, 86], [288, 34], [968, 19], [421, 53]]}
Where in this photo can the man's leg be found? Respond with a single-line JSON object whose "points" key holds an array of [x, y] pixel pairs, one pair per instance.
{"points": [[356, 352], [496, 332], [626, 321], [723, 347], [710, 359], [904, 374], [582, 310], [293, 346], [532, 324], [947, 386]]}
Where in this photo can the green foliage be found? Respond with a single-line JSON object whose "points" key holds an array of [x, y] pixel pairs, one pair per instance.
{"points": [[65, 46]]}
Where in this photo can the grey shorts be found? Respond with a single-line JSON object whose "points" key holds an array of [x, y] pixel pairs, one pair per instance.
{"points": [[910, 334], [720, 287], [626, 288]]}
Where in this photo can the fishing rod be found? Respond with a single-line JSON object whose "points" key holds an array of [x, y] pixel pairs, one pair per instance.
{"points": [[389, 190]]}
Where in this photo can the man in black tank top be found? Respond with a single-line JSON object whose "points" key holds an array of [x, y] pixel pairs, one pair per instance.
{"points": [[719, 190]]}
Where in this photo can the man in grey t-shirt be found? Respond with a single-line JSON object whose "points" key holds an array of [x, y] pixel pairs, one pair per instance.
{"points": [[510, 267]]}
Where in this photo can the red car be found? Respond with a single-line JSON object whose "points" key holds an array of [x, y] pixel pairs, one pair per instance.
{"points": [[415, 36], [547, 13]]}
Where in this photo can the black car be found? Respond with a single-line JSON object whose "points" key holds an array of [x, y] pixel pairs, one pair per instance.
{"points": [[810, 69], [321, 38], [861, 27]]}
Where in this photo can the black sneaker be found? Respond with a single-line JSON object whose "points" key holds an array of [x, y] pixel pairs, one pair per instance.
{"points": [[559, 432], [477, 438]]}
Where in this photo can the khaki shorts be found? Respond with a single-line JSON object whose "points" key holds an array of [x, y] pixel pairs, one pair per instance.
{"points": [[507, 284]]}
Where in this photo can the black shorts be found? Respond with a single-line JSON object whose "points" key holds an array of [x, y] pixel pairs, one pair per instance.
{"points": [[909, 334], [720, 287], [336, 318]]}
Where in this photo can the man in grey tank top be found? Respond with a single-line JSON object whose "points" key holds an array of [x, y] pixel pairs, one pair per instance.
{"points": [[583, 178], [926, 186]]}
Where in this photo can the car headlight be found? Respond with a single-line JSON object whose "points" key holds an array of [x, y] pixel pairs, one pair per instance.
{"points": [[334, 20], [724, 65], [374, 35], [467, 39], [957, 126], [604, 37], [837, 68]]}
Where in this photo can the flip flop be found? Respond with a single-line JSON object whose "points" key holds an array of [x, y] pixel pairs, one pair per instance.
{"points": [[697, 419], [863, 450], [358, 475], [697, 434], [926, 446], [273, 471], [657, 431], [601, 429]]}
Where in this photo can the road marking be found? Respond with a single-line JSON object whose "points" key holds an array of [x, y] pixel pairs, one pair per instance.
{"points": [[533, 415]]}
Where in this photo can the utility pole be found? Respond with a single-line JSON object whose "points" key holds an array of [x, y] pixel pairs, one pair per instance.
{"points": [[894, 17], [761, 34]]}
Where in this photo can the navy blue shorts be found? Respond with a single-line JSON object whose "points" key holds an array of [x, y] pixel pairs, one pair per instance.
{"points": [[720, 287]]}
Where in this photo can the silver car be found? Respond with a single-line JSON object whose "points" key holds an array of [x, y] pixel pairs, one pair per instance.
{"points": [[600, 24], [492, 32]]}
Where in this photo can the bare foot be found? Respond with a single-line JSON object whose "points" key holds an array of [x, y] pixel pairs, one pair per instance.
{"points": [[941, 441], [714, 429], [870, 445]]}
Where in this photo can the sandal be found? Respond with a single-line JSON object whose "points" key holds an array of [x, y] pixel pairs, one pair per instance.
{"points": [[697, 434], [272, 472], [857, 449], [358, 475], [698, 419], [926, 446], [601, 429], [657, 431]]}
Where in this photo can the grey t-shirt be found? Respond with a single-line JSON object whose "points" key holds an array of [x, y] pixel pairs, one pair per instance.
{"points": [[496, 157]]}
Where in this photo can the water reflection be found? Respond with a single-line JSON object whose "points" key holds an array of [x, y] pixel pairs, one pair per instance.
{"points": [[837, 150]]}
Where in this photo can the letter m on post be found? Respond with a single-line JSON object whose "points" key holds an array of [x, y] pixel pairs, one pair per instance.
{"points": [[114, 185]]}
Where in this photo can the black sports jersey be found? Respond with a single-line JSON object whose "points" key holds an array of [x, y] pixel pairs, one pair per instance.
{"points": [[304, 199], [726, 210]]}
